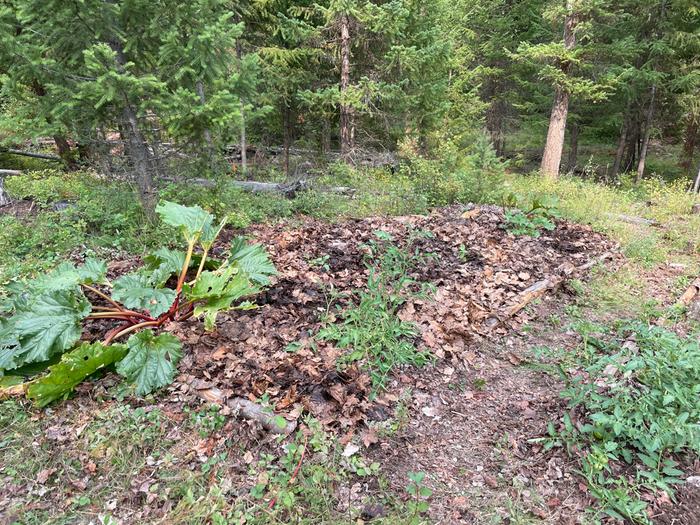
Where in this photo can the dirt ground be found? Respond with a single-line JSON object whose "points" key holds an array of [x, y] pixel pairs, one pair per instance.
{"points": [[467, 420]]}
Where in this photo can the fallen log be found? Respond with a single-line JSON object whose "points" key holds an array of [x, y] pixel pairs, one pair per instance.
{"points": [[631, 219], [539, 288], [31, 154], [289, 189], [248, 410], [689, 294]]}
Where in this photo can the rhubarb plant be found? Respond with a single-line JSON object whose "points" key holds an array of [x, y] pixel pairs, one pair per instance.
{"points": [[41, 324]]}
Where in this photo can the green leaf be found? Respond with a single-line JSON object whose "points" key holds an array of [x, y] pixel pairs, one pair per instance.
{"points": [[73, 368], [218, 290], [191, 221], [252, 259], [50, 326], [163, 264], [135, 291], [66, 276], [151, 360]]}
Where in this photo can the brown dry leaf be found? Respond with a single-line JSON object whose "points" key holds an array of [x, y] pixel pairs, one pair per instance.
{"points": [[44, 475], [369, 437]]}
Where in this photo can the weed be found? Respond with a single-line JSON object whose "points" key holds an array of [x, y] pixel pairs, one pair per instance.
{"points": [[45, 315], [639, 397], [536, 216], [372, 329]]}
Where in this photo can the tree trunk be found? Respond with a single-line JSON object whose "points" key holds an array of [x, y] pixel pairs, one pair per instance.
{"points": [[551, 158], [137, 147], [622, 142], [573, 146], [647, 133], [199, 86], [244, 145], [691, 135], [4, 197], [346, 111], [286, 124], [696, 185]]}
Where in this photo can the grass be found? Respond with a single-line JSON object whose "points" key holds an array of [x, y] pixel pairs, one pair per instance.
{"points": [[107, 460]]}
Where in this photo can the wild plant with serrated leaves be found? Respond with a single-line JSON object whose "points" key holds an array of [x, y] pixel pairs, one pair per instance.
{"points": [[532, 218], [41, 323], [371, 329]]}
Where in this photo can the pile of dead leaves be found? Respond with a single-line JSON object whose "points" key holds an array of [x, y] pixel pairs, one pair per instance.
{"points": [[271, 353]]}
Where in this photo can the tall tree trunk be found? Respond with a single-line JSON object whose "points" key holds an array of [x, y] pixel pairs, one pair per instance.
{"points": [[138, 151], [647, 133], [691, 135], [4, 197], [696, 185], [622, 142], [286, 124], [199, 86], [551, 158], [137, 147], [346, 111], [244, 145], [64, 151], [573, 146]]}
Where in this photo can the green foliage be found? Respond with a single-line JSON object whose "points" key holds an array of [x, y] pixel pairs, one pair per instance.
{"points": [[151, 360], [43, 316], [75, 366], [372, 329], [639, 396], [538, 216]]}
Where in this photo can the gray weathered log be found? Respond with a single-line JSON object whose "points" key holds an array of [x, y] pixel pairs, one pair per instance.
{"points": [[248, 410], [634, 220], [31, 154], [286, 188]]}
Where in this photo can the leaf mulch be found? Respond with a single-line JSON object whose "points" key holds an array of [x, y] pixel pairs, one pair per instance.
{"points": [[477, 269]]}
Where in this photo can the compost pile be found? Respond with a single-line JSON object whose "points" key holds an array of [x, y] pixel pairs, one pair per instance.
{"points": [[478, 269]]}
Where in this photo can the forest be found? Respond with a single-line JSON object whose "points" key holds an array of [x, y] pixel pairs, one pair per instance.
{"points": [[349, 261]]}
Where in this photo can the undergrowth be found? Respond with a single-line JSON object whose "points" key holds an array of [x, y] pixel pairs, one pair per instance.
{"points": [[371, 328], [634, 400]]}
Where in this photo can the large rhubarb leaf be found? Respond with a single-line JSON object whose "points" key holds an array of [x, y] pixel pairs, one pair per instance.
{"points": [[67, 276], [136, 291], [64, 277], [50, 325], [217, 291], [190, 220], [73, 368], [252, 259], [163, 264], [151, 361]]}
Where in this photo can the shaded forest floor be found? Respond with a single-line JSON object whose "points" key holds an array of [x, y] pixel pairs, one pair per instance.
{"points": [[466, 420]]}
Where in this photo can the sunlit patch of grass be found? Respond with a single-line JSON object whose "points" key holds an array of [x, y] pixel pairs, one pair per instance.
{"points": [[604, 208]]}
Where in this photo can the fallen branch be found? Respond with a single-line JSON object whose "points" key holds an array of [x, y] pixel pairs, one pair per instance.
{"points": [[289, 189], [539, 288], [248, 410], [689, 294], [31, 154], [10, 172], [634, 220]]}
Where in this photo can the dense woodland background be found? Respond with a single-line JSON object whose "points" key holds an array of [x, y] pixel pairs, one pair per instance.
{"points": [[152, 90]]}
